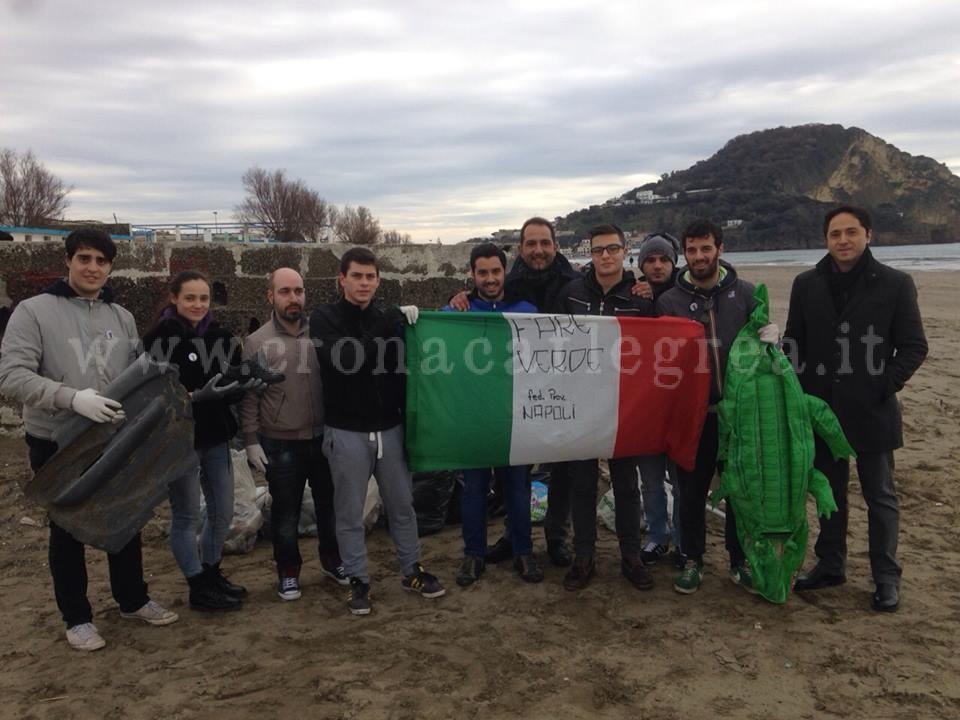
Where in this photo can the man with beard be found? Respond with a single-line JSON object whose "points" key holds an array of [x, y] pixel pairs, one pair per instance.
{"points": [[488, 265], [282, 430], [657, 259], [538, 275], [856, 337], [710, 292]]}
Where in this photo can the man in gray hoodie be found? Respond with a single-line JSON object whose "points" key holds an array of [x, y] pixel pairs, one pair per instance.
{"points": [[59, 350]]}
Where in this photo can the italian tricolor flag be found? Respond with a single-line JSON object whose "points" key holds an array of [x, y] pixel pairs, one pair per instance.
{"points": [[491, 389]]}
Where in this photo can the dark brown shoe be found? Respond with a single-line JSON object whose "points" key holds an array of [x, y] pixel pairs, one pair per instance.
{"points": [[580, 574], [528, 568], [634, 571]]}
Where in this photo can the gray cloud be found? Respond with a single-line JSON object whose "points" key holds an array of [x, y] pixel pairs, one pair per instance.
{"points": [[448, 120]]}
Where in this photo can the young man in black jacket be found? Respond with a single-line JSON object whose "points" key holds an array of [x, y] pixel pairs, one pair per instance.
{"points": [[360, 349], [605, 290], [710, 292], [855, 336]]}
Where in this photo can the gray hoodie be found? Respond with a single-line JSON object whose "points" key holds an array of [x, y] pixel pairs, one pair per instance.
{"points": [[57, 343]]}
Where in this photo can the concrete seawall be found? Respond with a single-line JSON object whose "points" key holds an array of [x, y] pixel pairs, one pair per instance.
{"points": [[423, 275]]}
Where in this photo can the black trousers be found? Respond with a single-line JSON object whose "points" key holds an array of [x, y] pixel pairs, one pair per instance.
{"points": [[68, 564], [693, 488], [583, 475], [883, 513], [291, 464], [559, 497]]}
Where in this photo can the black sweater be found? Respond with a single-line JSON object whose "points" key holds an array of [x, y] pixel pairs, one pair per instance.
{"points": [[199, 358], [360, 352]]}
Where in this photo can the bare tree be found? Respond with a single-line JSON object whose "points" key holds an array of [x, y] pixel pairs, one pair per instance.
{"points": [[287, 208], [30, 195], [395, 237], [357, 227]]}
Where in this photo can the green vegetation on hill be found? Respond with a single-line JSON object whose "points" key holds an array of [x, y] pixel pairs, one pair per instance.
{"points": [[771, 188]]}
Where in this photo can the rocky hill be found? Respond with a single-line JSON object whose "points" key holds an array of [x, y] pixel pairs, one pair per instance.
{"points": [[771, 188]]}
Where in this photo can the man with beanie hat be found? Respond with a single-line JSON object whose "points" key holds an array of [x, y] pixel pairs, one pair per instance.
{"points": [[657, 260]]}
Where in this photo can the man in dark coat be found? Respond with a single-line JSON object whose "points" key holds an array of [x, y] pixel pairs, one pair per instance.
{"points": [[855, 336]]}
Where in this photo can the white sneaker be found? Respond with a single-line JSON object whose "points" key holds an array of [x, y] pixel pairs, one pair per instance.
{"points": [[288, 588], [85, 637], [153, 614]]}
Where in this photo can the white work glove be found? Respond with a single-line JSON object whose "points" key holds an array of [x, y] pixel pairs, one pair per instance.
{"points": [[410, 313], [257, 457], [95, 406], [769, 333]]}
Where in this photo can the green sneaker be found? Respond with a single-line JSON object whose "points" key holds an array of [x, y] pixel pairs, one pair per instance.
{"points": [[688, 581], [742, 575]]}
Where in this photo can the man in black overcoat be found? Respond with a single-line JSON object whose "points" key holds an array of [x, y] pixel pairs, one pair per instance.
{"points": [[855, 336]]}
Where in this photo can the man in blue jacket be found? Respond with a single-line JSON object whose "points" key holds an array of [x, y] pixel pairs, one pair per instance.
{"points": [[538, 275], [488, 265]]}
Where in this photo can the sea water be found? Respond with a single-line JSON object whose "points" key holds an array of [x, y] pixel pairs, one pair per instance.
{"points": [[912, 258]]}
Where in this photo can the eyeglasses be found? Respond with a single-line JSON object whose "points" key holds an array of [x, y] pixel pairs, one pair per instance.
{"points": [[610, 250]]}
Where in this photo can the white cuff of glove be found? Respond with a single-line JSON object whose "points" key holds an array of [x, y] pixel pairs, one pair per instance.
{"points": [[410, 313], [257, 457], [95, 406], [769, 333]]}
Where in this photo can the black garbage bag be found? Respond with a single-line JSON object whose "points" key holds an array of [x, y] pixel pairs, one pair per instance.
{"points": [[433, 499], [105, 479]]}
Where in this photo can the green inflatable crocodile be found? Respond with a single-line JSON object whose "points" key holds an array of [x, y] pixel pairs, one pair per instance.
{"points": [[766, 448]]}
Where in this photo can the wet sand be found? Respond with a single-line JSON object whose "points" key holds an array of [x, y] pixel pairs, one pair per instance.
{"points": [[506, 649]]}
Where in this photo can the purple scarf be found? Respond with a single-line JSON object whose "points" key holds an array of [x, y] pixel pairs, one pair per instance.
{"points": [[170, 313]]}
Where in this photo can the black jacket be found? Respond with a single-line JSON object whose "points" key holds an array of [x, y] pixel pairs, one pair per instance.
{"points": [[199, 358], [723, 311], [539, 287], [360, 353], [660, 289], [584, 296], [859, 358]]}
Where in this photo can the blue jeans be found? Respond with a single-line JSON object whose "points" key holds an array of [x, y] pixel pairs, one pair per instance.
{"points": [[516, 501], [653, 474], [290, 465], [215, 479]]}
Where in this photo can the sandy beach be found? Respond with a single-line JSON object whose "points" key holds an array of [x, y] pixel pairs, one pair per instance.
{"points": [[506, 649]]}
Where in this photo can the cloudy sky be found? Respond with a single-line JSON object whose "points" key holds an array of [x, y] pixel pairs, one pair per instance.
{"points": [[449, 119]]}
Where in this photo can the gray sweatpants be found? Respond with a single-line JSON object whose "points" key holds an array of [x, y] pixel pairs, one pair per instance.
{"points": [[355, 456]]}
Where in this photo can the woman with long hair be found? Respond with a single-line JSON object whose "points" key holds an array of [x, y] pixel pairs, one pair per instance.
{"points": [[187, 335]]}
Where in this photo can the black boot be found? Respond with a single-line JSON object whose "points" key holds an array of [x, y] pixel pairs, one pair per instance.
{"points": [[237, 591], [206, 594], [558, 553]]}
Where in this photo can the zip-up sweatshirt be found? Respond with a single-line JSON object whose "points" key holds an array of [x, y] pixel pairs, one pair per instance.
{"points": [[585, 296], [360, 351], [478, 304], [292, 409], [57, 343], [723, 310]]}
